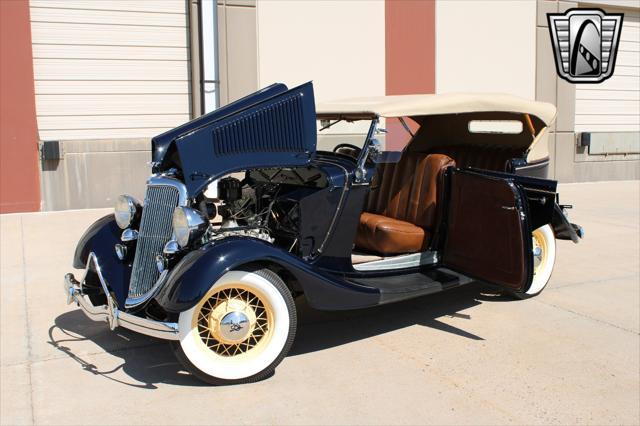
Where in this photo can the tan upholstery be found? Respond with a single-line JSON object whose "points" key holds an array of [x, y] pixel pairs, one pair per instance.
{"points": [[480, 157], [386, 235], [402, 209]]}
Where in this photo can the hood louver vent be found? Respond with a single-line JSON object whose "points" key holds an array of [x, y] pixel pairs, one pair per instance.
{"points": [[278, 124]]}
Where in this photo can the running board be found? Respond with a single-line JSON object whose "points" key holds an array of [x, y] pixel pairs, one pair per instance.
{"points": [[403, 261], [394, 288]]}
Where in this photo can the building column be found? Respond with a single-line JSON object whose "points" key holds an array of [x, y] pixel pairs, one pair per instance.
{"points": [[19, 174], [410, 53]]}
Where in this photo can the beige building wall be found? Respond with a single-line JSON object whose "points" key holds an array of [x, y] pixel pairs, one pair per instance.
{"points": [[504, 46], [340, 45], [486, 46], [237, 49], [337, 44]]}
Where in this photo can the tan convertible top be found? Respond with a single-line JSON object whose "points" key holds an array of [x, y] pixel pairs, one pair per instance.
{"points": [[421, 105]]}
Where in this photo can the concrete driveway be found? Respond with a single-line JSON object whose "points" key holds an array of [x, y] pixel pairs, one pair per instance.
{"points": [[569, 356]]}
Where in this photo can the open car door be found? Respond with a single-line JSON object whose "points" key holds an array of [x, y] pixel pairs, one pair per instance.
{"points": [[488, 235]]}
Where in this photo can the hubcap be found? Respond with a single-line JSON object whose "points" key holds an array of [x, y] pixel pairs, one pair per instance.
{"points": [[539, 251], [234, 320], [234, 327]]}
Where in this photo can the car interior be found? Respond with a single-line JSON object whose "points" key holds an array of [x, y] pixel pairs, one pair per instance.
{"points": [[405, 205], [402, 211]]}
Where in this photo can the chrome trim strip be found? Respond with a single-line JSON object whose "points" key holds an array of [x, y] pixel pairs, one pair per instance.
{"points": [[399, 262], [533, 165], [345, 189], [110, 313]]}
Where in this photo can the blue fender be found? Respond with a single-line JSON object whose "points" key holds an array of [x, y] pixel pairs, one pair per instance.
{"points": [[100, 238], [194, 275]]}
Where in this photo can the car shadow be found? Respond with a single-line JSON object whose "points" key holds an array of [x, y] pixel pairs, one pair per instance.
{"points": [[146, 361], [318, 330]]}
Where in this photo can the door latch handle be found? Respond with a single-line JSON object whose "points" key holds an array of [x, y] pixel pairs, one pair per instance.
{"points": [[508, 208]]}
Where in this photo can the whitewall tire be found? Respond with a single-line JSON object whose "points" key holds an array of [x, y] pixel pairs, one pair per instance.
{"points": [[240, 330], [544, 258]]}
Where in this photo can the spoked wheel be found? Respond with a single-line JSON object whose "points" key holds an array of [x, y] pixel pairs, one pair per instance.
{"points": [[240, 330], [544, 257]]}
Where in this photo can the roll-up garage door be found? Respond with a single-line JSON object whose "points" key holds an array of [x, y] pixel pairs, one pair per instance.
{"points": [[109, 69], [614, 105]]}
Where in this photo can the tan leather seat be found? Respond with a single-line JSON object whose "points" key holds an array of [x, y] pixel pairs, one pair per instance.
{"points": [[481, 157], [402, 209]]}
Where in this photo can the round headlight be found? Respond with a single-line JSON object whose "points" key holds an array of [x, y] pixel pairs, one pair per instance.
{"points": [[188, 225], [126, 210]]}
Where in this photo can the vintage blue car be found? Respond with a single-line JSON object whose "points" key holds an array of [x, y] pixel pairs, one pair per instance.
{"points": [[350, 228]]}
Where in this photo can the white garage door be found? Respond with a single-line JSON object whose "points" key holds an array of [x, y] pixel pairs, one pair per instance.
{"points": [[108, 69], [614, 105]]}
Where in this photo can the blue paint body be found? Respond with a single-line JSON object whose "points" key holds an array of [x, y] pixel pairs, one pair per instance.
{"points": [[274, 127], [194, 275], [101, 238]]}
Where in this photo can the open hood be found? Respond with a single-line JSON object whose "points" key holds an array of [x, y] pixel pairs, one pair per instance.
{"points": [[272, 127]]}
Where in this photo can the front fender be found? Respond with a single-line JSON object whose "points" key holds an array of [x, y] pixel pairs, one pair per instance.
{"points": [[194, 275], [100, 238]]}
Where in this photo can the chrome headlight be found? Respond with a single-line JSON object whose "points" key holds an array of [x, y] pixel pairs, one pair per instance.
{"points": [[126, 211], [188, 225]]}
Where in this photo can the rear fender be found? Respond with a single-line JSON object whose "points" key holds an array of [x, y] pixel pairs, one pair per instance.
{"points": [[194, 275]]}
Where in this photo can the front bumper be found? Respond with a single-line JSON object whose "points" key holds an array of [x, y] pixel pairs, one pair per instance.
{"points": [[110, 312]]}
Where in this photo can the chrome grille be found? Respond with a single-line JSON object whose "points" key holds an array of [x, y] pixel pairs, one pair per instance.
{"points": [[155, 230]]}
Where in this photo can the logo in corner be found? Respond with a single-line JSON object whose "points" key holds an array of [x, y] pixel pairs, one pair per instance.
{"points": [[585, 43]]}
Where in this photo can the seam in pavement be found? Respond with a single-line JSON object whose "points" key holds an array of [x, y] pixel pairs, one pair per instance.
{"points": [[26, 314], [103, 352], [587, 316], [608, 223], [623, 277]]}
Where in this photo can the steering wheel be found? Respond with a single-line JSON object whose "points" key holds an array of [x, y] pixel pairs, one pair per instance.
{"points": [[352, 150]]}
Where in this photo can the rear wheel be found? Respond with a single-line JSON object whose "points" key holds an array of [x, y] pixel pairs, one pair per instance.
{"points": [[544, 258], [240, 330]]}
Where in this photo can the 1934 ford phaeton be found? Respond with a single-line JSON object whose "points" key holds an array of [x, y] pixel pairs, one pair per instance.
{"points": [[352, 228]]}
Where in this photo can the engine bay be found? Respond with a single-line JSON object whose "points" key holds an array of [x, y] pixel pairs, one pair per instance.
{"points": [[268, 204]]}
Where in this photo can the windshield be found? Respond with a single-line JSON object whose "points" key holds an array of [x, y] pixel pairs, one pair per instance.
{"points": [[392, 133]]}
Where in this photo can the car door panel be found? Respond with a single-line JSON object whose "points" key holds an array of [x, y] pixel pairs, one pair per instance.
{"points": [[540, 194], [487, 231]]}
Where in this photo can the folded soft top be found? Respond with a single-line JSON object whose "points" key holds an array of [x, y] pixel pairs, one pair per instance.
{"points": [[421, 105]]}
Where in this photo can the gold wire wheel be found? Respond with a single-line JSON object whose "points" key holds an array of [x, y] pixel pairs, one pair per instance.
{"points": [[234, 320], [540, 251]]}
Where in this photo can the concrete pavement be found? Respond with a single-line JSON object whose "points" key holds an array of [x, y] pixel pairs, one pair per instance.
{"points": [[569, 356]]}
